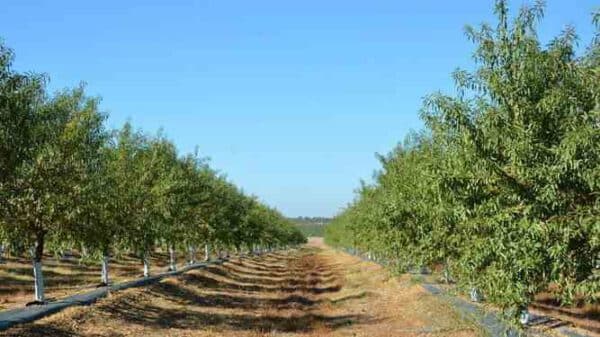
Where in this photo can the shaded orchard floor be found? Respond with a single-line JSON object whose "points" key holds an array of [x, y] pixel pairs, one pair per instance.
{"points": [[67, 276], [313, 291]]}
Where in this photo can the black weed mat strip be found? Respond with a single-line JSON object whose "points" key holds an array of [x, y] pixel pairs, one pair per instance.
{"points": [[489, 321]]}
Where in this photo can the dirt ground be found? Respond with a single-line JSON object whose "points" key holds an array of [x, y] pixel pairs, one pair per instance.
{"points": [[67, 276], [313, 291]]}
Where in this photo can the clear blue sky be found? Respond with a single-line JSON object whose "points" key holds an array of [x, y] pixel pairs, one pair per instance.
{"points": [[290, 98]]}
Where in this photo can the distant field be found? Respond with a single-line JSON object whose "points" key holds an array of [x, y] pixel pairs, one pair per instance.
{"points": [[312, 230]]}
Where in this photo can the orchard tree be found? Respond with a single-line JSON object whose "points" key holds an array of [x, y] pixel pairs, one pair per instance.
{"points": [[170, 196], [527, 121], [199, 215], [189, 215], [100, 228], [135, 177], [20, 96], [66, 136]]}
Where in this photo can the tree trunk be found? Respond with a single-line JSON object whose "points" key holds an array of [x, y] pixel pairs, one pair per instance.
{"points": [[104, 276], [192, 252], [2, 249], [38, 275], [446, 274], [172, 262], [475, 295], [524, 316], [146, 265], [206, 252], [84, 254]]}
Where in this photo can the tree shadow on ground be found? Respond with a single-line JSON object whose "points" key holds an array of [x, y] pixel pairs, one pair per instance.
{"points": [[184, 296], [130, 311], [291, 279], [181, 295], [209, 280], [260, 270], [287, 303], [587, 318], [259, 293], [12, 284], [39, 330]]}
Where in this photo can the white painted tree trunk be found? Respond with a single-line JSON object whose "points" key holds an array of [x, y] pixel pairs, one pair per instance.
{"points": [[104, 276], [146, 266], [172, 262], [192, 251], [84, 254], [475, 295], [206, 252], [446, 276], [524, 317], [2, 249], [38, 277]]}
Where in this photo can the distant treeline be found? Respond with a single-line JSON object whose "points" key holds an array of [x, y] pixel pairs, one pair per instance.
{"points": [[311, 226]]}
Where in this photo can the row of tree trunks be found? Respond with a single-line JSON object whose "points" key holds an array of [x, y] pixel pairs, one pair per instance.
{"points": [[38, 250]]}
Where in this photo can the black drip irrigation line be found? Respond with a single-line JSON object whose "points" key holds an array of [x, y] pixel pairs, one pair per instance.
{"points": [[491, 322], [10, 318]]}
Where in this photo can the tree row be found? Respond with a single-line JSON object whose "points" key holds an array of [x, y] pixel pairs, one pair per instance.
{"points": [[501, 190], [67, 182]]}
